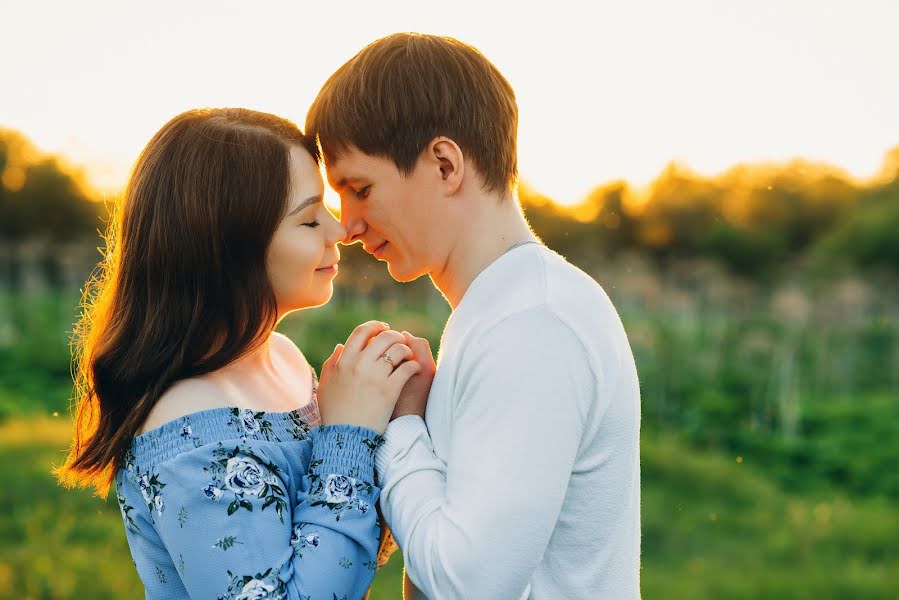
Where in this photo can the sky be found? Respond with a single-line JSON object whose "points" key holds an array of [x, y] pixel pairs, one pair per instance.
{"points": [[606, 90]]}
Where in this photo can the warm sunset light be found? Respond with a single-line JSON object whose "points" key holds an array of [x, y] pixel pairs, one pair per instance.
{"points": [[680, 355], [608, 92]]}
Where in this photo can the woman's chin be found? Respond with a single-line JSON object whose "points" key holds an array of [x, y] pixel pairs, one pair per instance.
{"points": [[324, 297], [313, 301]]}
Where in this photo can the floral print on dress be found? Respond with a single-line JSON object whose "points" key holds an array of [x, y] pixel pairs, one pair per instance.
{"points": [[126, 509], [247, 475], [374, 444], [300, 540], [150, 488], [338, 493], [253, 423], [198, 484], [300, 426], [255, 587], [128, 460]]}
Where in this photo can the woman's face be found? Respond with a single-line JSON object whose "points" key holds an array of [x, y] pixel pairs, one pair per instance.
{"points": [[302, 257]]}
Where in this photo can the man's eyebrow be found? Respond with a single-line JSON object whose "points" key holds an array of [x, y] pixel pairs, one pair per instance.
{"points": [[344, 181], [307, 202]]}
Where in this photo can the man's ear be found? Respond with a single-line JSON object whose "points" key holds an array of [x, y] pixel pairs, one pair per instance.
{"points": [[449, 159]]}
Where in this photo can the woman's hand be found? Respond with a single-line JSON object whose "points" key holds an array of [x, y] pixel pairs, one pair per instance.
{"points": [[414, 398], [358, 385]]}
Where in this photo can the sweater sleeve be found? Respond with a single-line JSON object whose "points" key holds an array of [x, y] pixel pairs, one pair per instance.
{"points": [[477, 526], [219, 522]]}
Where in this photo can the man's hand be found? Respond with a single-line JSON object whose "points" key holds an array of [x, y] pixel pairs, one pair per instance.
{"points": [[414, 397]]}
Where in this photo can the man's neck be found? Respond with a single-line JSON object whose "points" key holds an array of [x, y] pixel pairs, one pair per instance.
{"points": [[489, 236]]}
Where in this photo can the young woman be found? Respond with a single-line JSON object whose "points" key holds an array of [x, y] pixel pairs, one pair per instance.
{"points": [[234, 479]]}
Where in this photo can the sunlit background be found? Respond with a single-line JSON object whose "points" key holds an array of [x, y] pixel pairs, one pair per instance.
{"points": [[607, 90], [728, 171]]}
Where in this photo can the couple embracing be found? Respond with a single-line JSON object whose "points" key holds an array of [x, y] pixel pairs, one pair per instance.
{"points": [[508, 468]]}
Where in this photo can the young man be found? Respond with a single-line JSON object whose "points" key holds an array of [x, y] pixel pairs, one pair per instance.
{"points": [[521, 477]]}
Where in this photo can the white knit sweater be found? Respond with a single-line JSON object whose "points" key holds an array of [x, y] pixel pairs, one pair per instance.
{"points": [[525, 483]]}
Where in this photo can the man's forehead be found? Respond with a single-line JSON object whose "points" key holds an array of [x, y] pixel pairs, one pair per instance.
{"points": [[348, 168]]}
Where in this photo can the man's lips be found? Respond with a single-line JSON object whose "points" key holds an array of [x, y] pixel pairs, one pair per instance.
{"points": [[378, 250]]}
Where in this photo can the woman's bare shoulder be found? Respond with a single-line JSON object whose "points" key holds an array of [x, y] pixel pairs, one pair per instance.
{"points": [[183, 398], [289, 350]]}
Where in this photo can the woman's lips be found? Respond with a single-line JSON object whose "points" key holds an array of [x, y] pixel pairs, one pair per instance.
{"points": [[332, 270]]}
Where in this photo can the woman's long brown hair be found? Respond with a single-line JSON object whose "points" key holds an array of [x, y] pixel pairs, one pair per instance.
{"points": [[183, 288]]}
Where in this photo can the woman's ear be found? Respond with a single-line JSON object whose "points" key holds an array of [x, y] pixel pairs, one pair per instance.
{"points": [[450, 160]]}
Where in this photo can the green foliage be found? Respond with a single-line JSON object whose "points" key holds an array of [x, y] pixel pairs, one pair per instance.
{"points": [[750, 253], [43, 200], [869, 237], [755, 219]]}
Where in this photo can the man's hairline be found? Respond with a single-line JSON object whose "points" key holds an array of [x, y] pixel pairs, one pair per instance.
{"points": [[347, 146]]}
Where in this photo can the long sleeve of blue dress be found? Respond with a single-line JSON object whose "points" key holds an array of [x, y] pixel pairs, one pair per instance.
{"points": [[235, 504]]}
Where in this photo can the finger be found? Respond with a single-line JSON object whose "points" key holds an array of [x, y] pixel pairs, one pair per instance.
{"points": [[421, 347], [362, 334], [331, 361], [398, 353], [401, 375], [381, 343], [338, 352]]}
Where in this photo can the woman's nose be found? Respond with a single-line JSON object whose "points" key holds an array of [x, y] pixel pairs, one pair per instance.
{"points": [[337, 232]]}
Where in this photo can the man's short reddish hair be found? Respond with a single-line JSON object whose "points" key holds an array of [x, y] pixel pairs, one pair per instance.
{"points": [[400, 92]]}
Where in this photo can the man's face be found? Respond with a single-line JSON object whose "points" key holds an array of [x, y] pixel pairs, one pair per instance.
{"points": [[397, 218]]}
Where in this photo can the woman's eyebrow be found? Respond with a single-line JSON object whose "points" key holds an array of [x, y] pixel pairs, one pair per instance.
{"points": [[307, 202]]}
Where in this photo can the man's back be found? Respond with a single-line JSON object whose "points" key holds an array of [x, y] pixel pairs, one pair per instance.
{"points": [[533, 295]]}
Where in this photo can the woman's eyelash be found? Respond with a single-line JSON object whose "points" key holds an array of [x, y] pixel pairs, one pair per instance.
{"points": [[312, 225]]}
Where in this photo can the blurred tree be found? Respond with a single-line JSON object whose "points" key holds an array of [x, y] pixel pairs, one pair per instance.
{"points": [[39, 198], [867, 238]]}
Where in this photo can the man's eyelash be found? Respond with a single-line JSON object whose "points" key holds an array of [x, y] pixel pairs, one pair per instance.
{"points": [[363, 192]]}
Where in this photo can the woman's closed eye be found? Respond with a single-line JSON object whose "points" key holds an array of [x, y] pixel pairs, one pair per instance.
{"points": [[312, 224]]}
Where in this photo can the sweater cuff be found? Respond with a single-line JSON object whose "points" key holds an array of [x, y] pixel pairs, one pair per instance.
{"points": [[399, 436], [344, 450]]}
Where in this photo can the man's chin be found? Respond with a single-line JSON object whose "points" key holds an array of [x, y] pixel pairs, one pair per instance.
{"points": [[403, 275]]}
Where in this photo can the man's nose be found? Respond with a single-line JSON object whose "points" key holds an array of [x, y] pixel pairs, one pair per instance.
{"points": [[352, 222]]}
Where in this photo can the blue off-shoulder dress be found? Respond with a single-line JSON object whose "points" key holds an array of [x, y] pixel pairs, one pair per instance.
{"points": [[235, 504]]}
